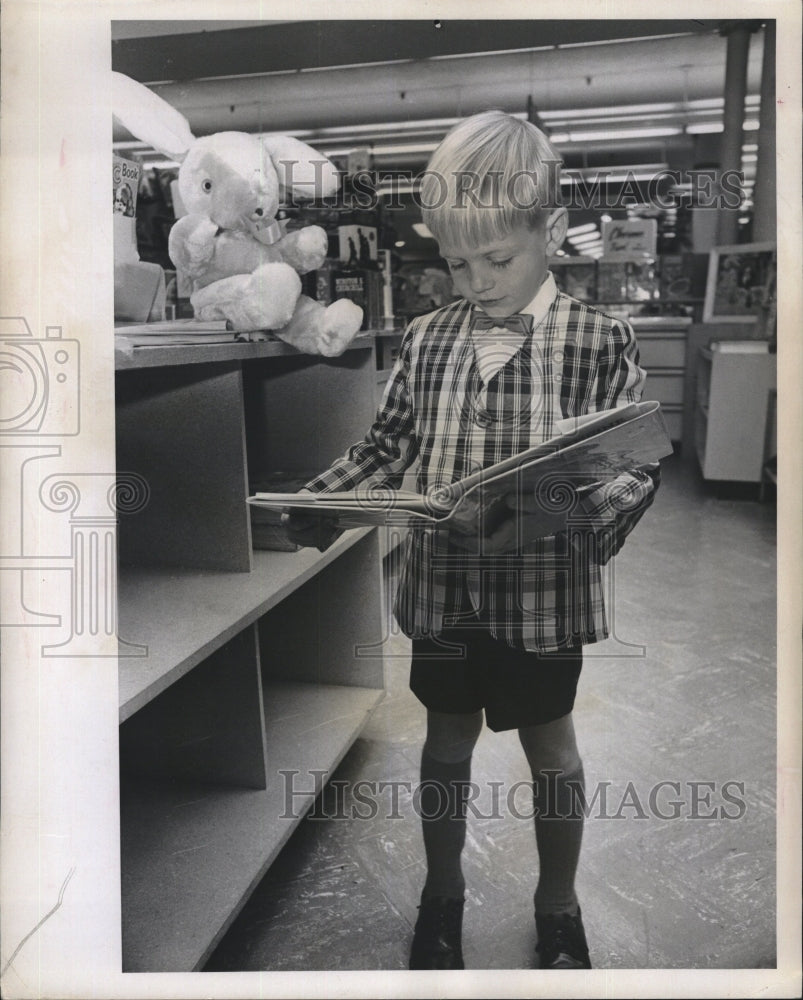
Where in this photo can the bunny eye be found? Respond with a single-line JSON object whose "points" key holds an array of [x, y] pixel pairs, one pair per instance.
{"points": [[207, 186]]}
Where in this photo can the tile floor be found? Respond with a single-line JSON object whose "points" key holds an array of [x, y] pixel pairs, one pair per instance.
{"points": [[683, 693]]}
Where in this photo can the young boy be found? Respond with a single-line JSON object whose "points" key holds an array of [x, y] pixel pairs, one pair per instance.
{"points": [[516, 604]]}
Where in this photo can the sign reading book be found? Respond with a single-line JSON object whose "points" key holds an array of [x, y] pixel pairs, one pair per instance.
{"points": [[125, 185], [139, 286]]}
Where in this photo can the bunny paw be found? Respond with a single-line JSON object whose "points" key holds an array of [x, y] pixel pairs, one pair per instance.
{"points": [[305, 249], [341, 323]]}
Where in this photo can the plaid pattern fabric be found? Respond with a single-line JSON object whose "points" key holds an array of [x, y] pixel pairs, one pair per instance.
{"points": [[437, 411]]}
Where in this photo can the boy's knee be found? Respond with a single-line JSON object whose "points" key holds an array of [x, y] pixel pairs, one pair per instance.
{"points": [[551, 747], [451, 738]]}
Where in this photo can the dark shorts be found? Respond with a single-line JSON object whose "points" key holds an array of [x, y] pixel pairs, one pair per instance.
{"points": [[515, 689]]}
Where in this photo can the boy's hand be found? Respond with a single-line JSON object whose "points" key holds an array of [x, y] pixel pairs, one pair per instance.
{"points": [[308, 529], [528, 520]]}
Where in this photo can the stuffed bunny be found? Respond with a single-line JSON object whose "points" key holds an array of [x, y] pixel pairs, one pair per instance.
{"points": [[243, 268]]}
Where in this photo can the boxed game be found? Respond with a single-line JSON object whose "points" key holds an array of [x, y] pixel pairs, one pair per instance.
{"points": [[576, 276]]}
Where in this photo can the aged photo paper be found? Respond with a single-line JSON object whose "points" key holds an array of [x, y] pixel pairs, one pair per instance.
{"points": [[60, 869]]}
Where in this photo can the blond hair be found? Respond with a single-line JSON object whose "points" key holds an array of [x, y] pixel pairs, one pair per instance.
{"points": [[491, 173]]}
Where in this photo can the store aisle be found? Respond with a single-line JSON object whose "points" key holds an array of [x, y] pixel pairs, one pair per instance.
{"points": [[676, 723]]}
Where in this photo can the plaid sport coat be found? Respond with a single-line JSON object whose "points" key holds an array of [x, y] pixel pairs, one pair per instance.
{"points": [[440, 414]]}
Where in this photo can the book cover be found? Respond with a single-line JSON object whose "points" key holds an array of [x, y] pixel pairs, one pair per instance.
{"points": [[357, 245], [588, 449], [125, 186], [352, 284]]}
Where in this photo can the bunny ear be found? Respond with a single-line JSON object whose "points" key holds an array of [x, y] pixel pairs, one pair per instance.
{"points": [[149, 118], [302, 170]]}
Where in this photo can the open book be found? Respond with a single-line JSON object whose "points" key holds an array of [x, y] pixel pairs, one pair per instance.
{"points": [[589, 449]]}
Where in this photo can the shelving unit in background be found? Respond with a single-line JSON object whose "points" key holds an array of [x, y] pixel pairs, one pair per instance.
{"points": [[257, 663], [662, 349], [733, 384]]}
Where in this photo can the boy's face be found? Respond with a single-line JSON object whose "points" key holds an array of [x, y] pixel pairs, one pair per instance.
{"points": [[503, 276]]}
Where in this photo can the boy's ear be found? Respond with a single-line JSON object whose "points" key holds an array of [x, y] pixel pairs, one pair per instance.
{"points": [[556, 225]]}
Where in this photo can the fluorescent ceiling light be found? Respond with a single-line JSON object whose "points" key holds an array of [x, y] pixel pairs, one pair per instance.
{"points": [[589, 227], [395, 189], [588, 240], [621, 109], [620, 41], [704, 128], [406, 126], [411, 147], [630, 133], [366, 65], [389, 150], [492, 52]]}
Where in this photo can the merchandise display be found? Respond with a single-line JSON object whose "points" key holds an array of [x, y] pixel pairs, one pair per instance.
{"points": [[244, 269], [139, 286]]}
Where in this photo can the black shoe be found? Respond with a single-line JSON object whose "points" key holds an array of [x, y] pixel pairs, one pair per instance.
{"points": [[561, 941], [437, 941]]}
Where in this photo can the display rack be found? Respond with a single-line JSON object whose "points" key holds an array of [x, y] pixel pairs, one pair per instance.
{"points": [[662, 342], [257, 663], [733, 382]]}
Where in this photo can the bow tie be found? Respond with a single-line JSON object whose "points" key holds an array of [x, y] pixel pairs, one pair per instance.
{"points": [[521, 323], [497, 339]]}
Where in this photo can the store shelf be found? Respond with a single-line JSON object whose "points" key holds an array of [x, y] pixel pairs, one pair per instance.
{"points": [[206, 846], [184, 616], [255, 661], [730, 416], [169, 355], [662, 350]]}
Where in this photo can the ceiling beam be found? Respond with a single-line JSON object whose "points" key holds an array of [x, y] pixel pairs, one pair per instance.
{"points": [[317, 44]]}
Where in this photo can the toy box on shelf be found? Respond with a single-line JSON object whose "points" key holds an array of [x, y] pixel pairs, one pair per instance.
{"points": [[576, 276]]}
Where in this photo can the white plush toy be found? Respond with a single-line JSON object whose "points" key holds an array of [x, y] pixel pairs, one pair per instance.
{"points": [[242, 267]]}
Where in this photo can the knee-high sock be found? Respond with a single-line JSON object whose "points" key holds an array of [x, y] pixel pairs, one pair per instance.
{"points": [[443, 819], [558, 835]]}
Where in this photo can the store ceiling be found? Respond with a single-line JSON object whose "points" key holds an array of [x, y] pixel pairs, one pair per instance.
{"points": [[633, 94]]}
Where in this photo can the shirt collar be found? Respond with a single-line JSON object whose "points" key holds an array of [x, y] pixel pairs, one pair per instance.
{"points": [[543, 300], [493, 353]]}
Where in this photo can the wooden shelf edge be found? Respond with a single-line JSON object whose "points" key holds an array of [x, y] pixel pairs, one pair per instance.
{"points": [[259, 595], [167, 355], [205, 848]]}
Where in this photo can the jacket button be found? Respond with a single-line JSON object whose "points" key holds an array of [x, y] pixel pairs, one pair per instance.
{"points": [[482, 420]]}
